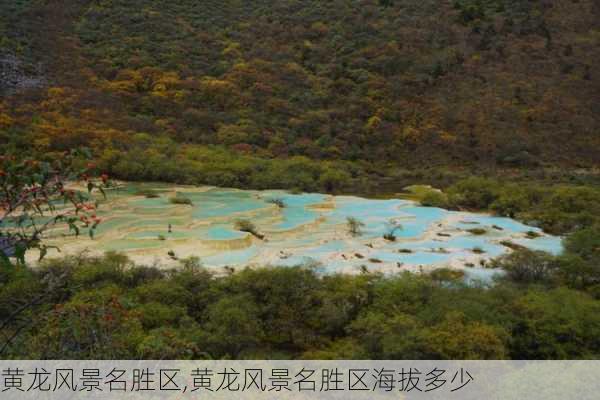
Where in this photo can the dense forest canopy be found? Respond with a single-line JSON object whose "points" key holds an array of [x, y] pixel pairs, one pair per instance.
{"points": [[108, 308], [400, 82]]}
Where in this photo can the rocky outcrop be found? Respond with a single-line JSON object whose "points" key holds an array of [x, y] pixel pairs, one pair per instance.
{"points": [[15, 75]]}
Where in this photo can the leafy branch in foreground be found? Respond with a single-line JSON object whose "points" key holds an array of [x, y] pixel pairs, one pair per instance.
{"points": [[36, 196]]}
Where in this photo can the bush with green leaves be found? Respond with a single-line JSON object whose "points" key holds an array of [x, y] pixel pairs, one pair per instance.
{"points": [[354, 226], [434, 198], [280, 203], [107, 308], [181, 200], [245, 225], [557, 209], [392, 226], [527, 266]]}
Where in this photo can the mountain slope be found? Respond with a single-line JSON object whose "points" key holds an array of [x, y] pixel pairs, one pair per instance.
{"points": [[406, 82]]}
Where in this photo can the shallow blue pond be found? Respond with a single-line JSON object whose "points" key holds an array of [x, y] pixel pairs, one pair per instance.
{"points": [[309, 227]]}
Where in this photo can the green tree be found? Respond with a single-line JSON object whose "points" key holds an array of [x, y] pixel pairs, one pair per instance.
{"points": [[527, 267], [232, 326], [475, 193], [555, 324], [354, 226], [455, 338], [586, 244]]}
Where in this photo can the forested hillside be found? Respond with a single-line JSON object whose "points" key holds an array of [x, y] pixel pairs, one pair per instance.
{"points": [[224, 90], [354, 96]]}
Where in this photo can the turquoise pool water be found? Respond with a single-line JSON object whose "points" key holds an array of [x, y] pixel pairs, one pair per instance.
{"points": [[309, 228]]}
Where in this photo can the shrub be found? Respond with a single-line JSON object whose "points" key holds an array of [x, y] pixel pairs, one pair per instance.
{"points": [[278, 202], [245, 225], [354, 226], [99, 271], [512, 245], [333, 179], [475, 193], [233, 324], [156, 314], [434, 198], [392, 228], [162, 291], [147, 193], [585, 243], [441, 275], [532, 234], [511, 201], [477, 231], [181, 200], [138, 275], [527, 266]]}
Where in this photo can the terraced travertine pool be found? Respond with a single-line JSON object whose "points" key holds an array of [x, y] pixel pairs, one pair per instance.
{"points": [[309, 228]]}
